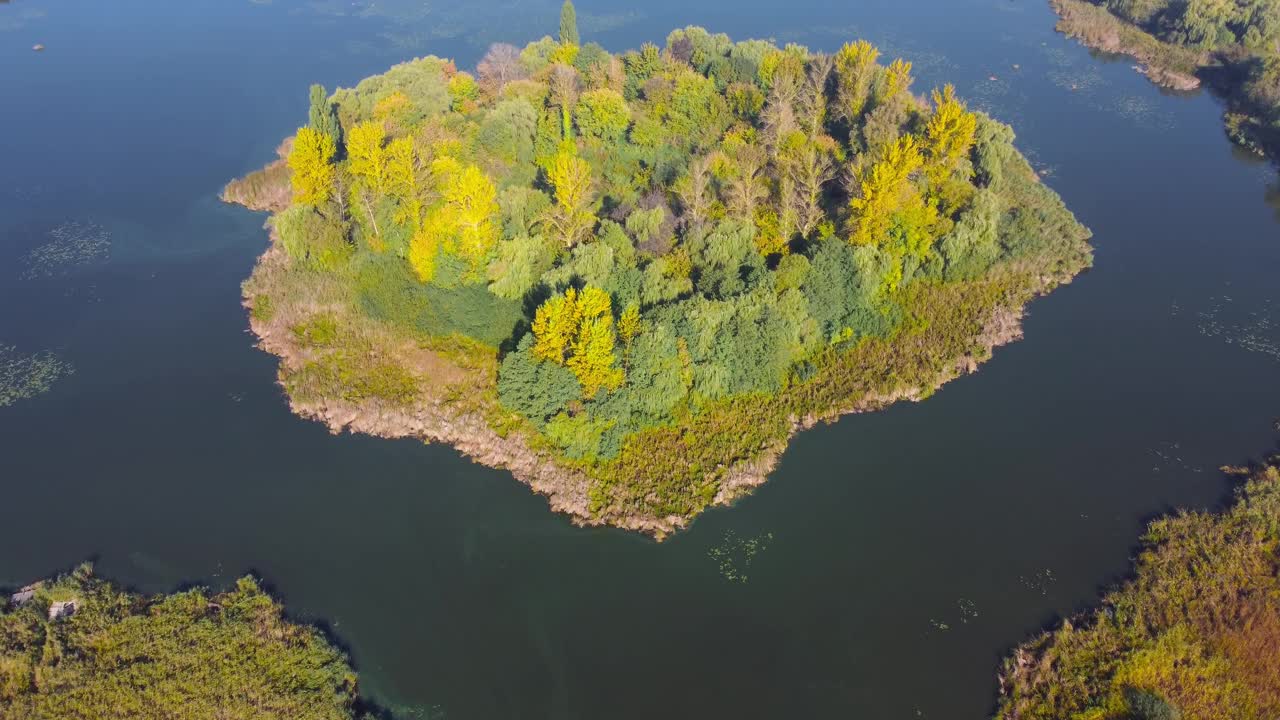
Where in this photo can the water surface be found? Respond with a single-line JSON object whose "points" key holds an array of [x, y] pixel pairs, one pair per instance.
{"points": [[889, 563]]}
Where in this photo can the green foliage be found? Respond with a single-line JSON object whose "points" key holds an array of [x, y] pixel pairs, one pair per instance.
{"points": [[653, 253], [323, 115], [193, 655], [1176, 38], [315, 241], [317, 331], [602, 114], [421, 81], [1195, 634], [387, 291], [568, 24], [535, 388], [845, 291]]}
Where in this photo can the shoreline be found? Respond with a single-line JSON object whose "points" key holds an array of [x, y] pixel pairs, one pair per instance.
{"points": [[567, 489], [1172, 67]]}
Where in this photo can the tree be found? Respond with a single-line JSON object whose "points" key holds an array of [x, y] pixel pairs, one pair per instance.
{"points": [[855, 71], [367, 161], [499, 66], [884, 189], [603, 114], [564, 95], [694, 191], [897, 82], [568, 24], [311, 163], [576, 330], [323, 116], [571, 217], [471, 205], [949, 134]]}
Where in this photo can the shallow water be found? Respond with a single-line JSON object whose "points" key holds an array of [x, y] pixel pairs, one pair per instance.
{"points": [[883, 571]]}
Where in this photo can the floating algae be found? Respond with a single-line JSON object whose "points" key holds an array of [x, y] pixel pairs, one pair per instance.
{"points": [[734, 554], [26, 376], [1254, 331], [72, 245]]}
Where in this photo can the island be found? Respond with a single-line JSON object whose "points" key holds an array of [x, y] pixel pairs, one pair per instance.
{"points": [[1194, 635], [630, 279], [78, 647], [1233, 46]]}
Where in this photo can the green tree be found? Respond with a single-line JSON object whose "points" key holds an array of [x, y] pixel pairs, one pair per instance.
{"points": [[568, 24], [323, 116]]}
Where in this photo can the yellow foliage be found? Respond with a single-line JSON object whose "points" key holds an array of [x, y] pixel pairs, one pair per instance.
{"points": [[367, 156], [311, 163], [470, 206], [565, 54], [855, 63], [949, 134], [629, 324], [570, 176], [554, 325], [423, 247], [897, 80], [391, 106], [576, 330], [885, 188]]}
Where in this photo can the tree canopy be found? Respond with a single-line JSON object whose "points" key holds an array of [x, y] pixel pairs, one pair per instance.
{"points": [[638, 246]]}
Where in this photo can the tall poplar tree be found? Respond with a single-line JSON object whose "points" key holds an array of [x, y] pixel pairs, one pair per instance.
{"points": [[568, 24]]}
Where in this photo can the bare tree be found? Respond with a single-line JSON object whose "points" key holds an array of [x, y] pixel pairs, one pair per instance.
{"points": [[499, 66], [747, 188], [694, 191]]}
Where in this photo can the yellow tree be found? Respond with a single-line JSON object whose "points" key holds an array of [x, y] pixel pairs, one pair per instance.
{"points": [[948, 135], [884, 189], [554, 327], [403, 180], [367, 161], [593, 359], [897, 81], [366, 154], [311, 163], [571, 217], [470, 206], [576, 330], [855, 70]]}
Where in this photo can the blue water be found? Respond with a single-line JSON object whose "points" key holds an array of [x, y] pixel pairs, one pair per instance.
{"points": [[899, 555]]}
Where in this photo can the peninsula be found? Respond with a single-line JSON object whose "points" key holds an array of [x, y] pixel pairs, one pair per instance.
{"points": [[1234, 47], [630, 279]]}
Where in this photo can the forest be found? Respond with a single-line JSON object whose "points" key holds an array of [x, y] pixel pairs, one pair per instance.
{"points": [[1194, 635], [1234, 44], [646, 270], [191, 655]]}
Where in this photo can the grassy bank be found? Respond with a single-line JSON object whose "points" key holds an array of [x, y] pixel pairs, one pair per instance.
{"points": [[1195, 635], [77, 648]]}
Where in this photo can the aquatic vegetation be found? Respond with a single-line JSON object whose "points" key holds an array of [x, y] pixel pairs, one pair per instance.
{"points": [[733, 555], [24, 376], [1038, 582], [77, 647], [1195, 634], [652, 267], [1234, 45], [71, 246], [1251, 330]]}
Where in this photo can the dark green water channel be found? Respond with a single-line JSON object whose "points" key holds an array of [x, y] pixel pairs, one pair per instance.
{"points": [[889, 563]]}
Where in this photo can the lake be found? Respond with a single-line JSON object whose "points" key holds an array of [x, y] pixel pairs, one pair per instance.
{"points": [[884, 570]]}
